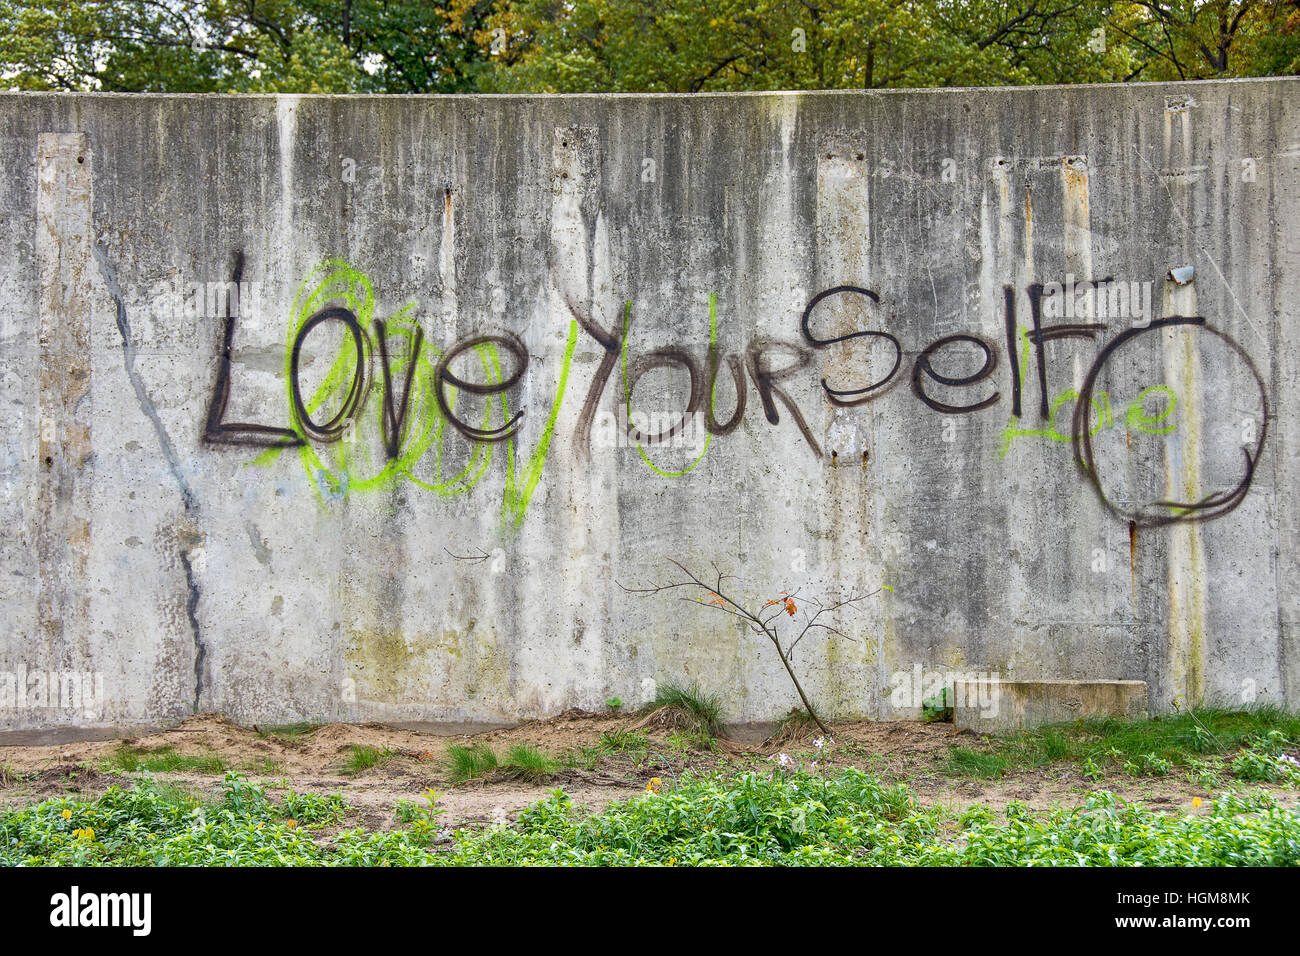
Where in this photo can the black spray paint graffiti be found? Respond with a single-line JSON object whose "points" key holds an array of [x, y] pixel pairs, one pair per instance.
{"points": [[768, 364], [1212, 505], [1161, 512]]}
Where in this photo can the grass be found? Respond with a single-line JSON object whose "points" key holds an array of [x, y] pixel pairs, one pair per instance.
{"points": [[1155, 747], [794, 726], [163, 760], [523, 762], [363, 757], [466, 763], [686, 708], [769, 819], [169, 760], [683, 743], [527, 763], [628, 744]]}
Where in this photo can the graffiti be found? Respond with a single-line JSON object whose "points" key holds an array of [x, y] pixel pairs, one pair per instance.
{"points": [[840, 396], [419, 393], [1163, 512], [217, 429], [416, 393], [675, 356]]}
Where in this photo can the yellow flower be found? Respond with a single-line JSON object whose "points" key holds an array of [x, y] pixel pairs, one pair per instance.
{"points": [[291, 823], [67, 814], [1196, 801], [654, 785], [86, 834]]}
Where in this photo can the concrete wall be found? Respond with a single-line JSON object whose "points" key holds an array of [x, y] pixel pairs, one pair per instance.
{"points": [[153, 541]]}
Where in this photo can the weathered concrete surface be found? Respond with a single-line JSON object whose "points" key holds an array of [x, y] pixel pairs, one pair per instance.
{"points": [[154, 546], [994, 706]]}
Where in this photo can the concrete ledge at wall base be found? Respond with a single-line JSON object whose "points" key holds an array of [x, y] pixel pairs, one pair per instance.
{"points": [[994, 706]]}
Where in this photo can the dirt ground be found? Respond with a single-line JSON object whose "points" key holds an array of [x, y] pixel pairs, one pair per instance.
{"points": [[313, 761]]}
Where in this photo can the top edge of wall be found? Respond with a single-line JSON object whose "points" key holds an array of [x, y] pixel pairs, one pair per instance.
{"points": [[753, 94]]}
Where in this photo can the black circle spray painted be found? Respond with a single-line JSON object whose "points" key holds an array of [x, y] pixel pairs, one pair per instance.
{"points": [[1212, 506]]}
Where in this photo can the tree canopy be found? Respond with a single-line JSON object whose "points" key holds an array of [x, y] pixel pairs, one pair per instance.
{"points": [[453, 46]]}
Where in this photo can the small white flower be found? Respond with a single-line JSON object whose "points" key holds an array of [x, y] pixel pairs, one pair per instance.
{"points": [[819, 743]]}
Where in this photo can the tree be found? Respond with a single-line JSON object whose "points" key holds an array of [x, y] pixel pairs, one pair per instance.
{"points": [[408, 46], [204, 46], [683, 46], [766, 618], [1189, 40], [687, 46]]}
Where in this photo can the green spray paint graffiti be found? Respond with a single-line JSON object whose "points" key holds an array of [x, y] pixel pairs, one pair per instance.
{"points": [[350, 459], [384, 368], [1100, 416]]}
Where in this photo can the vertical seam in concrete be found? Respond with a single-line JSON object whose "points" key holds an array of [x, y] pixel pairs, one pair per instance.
{"points": [[66, 463]]}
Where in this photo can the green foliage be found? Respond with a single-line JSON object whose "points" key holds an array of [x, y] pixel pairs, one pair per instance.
{"points": [[686, 46], [527, 763], [685, 742], [409, 811], [313, 809], [522, 762], [690, 708], [273, 46], [466, 763], [625, 741], [791, 818], [1196, 39], [851, 819], [422, 820], [1138, 747], [614, 703], [964, 761], [455, 46], [620, 742], [938, 707], [1147, 765], [164, 760], [154, 825], [1264, 760], [1203, 773], [362, 757]]}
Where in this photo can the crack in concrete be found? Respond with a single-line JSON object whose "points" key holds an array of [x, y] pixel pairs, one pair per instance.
{"points": [[184, 545], [191, 612], [137, 383]]}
